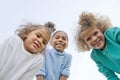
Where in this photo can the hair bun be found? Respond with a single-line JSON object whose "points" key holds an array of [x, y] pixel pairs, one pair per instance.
{"points": [[50, 26], [86, 19]]}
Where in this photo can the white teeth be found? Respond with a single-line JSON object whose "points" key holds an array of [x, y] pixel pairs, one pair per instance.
{"points": [[96, 41], [36, 44], [59, 44]]}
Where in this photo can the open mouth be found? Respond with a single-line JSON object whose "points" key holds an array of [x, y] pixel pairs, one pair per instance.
{"points": [[59, 44], [36, 45], [97, 42]]}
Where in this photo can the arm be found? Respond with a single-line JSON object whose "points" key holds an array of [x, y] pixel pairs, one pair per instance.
{"points": [[63, 78], [30, 73], [6, 48], [40, 77], [110, 75], [42, 72], [2, 54], [66, 70]]}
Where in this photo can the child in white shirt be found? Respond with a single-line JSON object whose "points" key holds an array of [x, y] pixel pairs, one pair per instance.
{"points": [[20, 55]]}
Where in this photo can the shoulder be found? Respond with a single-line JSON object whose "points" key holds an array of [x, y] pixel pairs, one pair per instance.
{"points": [[112, 29], [93, 53], [68, 55], [14, 39], [47, 53], [112, 33]]}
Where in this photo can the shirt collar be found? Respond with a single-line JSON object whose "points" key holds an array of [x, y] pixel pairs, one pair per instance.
{"points": [[56, 52]]}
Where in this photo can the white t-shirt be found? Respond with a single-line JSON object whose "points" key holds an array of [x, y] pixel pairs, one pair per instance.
{"points": [[16, 63]]}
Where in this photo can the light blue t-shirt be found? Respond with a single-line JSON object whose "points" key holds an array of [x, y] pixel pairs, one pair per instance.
{"points": [[108, 60], [55, 65]]}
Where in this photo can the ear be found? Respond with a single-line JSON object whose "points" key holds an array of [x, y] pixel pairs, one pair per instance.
{"points": [[26, 35]]}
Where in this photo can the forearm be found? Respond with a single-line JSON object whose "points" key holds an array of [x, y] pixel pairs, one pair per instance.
{"points": [[110, 75], [63, 78], [39, 78]]}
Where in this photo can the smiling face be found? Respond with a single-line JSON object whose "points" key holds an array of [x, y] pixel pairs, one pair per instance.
{"points": [[36, 40], [94, 38], [59, 41]]}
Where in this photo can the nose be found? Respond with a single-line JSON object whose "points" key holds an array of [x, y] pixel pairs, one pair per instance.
{"points": [[94, 38], [60, 39], [39, 41]]}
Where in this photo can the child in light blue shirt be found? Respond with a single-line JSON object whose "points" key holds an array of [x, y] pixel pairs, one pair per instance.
{"points": [[57, 61]]}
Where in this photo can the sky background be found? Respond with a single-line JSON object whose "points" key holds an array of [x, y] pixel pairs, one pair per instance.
{"points": [[65, 14]]}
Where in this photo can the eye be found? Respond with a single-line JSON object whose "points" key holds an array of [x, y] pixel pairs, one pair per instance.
{"points": [[88, 39], [64, 38], [57, 37], [38, 35], [45, 42], [95, 33]]}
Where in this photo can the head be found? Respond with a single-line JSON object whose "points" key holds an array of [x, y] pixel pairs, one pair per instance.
{"points": [[90, 32], [35, 37], [59, 41]]}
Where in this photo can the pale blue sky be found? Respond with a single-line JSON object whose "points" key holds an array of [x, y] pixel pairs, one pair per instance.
{"points": [[65, 14]]}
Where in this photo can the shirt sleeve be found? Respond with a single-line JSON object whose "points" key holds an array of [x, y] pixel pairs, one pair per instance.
{"points": [[42, 70], [66, 70], [6, 47], [31, 73], [110, 75]]}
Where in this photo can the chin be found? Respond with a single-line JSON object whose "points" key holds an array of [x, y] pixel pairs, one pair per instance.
{"points": [[59, 50]]}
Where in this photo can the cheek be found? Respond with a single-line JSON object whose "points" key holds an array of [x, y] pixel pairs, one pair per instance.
{"points": [[88, 43], [66, 45], [101, 36]]}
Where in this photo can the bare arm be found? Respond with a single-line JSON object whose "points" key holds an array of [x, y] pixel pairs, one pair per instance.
{"points": [[39, 77], [63, 78]]}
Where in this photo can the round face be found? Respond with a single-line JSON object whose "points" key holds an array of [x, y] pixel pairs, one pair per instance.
{"points": [[36, 40], [94, 38], [59, 41]]}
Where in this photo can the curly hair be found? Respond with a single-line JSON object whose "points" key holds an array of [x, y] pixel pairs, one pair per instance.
{"points": [[87, 20], [29, 27]]}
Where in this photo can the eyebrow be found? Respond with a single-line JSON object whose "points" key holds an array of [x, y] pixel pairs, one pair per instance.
{"points": [[46, 41]]}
